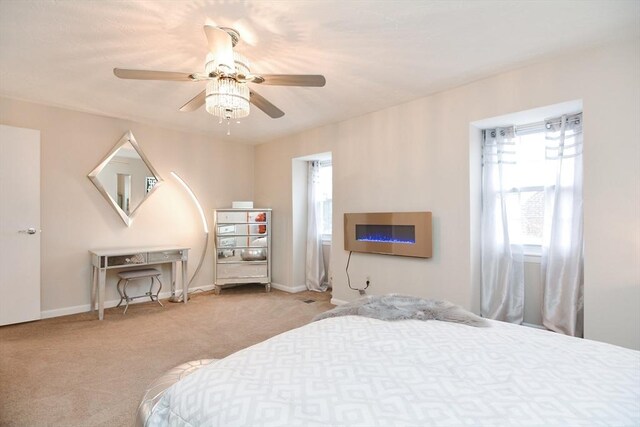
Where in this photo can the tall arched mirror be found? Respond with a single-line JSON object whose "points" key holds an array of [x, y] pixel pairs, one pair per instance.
{"points": [[125, 177]]}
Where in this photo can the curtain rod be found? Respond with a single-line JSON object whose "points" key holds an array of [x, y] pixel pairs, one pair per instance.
{"points": [[542, 125], [546, 124]]}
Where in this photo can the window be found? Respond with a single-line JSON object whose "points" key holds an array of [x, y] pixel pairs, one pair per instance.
{"points": [[523, 177], [532, 205], [525, 183], [324, 197]]}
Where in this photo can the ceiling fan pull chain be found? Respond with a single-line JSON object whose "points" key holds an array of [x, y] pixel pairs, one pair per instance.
{"points": [[228, 126]]}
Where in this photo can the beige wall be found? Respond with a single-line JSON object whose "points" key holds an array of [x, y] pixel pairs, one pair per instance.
{"points": [[75, 217], [416, 156]]}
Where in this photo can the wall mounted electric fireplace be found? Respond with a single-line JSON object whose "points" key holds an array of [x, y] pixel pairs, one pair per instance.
{"points": [[389, 233]]}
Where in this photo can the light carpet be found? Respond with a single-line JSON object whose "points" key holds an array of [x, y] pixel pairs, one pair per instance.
{"points": [[78, 371]]}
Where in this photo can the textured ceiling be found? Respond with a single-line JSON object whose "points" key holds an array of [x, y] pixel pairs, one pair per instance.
{"points": [[374, 54]]}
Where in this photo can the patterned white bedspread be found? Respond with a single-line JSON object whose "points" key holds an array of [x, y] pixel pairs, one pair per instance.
{"points": [[356, 371]]}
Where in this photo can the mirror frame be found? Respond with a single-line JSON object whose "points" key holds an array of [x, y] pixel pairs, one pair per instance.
{"points": [[93, 176]]}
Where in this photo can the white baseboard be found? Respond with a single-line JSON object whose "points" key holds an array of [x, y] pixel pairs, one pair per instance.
{"points": [[290, 289], [65, 311], [57, 312]]}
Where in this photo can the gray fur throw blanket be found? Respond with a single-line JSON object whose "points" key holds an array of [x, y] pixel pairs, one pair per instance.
{"points": [[401, 307]]}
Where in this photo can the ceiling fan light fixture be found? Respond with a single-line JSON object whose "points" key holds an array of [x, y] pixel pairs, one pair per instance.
{"points": [[227, 74], [227, 99], [225, 96]]}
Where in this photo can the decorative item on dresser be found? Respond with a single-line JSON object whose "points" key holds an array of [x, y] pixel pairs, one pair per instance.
{"points": [[242, 247]]}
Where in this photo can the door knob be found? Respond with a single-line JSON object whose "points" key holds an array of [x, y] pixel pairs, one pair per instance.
{"points": [[28, 231]]}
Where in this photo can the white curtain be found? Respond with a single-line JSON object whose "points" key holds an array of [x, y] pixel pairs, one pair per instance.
{"points": [[315, 276], [502, 295], [562, 248]]}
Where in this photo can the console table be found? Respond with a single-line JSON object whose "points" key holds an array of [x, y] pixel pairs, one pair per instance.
{"points": [[106, 259]]}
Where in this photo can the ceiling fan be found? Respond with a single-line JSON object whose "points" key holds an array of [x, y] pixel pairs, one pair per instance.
{"points": [[227, 74]]}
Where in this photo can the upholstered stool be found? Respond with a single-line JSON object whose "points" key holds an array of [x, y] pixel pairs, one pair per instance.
{"points": [[127, 276], [156, 389]]}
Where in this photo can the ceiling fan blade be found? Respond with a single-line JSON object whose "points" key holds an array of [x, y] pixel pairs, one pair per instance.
{"points": [[194, 103], [220, 46], [260, 102], [152, 75], [314, 80]]}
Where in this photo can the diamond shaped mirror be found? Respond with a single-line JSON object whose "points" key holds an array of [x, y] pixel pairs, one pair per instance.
{"points": [[125, 177]]}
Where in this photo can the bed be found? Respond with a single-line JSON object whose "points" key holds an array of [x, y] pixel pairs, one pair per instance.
{"points": [[359, 371]]}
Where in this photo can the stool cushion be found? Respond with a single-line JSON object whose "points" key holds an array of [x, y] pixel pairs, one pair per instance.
{"points": [[136, 274]]}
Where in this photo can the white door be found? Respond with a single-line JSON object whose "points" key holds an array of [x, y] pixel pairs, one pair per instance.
{"points": [[19, 225]]}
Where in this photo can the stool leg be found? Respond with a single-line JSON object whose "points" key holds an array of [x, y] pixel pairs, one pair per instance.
{"points": [[119, 293], [158, 291], [122, 284], [150, 293], [126, 297]]}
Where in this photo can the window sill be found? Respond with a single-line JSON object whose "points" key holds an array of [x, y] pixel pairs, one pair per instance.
{"points": [[532, 259], [532, 253]]}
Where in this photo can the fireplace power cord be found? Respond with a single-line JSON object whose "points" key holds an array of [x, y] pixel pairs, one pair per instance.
{"points": [[361, 291]]}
